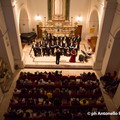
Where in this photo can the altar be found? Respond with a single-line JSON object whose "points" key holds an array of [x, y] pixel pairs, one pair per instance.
{"points": [[57, 26], [58, 22]]}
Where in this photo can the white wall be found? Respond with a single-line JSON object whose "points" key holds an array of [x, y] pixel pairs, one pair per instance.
{"points": [[113, 53], [81, 8], [94, 23], [77, 8], [23, 21], [5, 46], [98, 5], [11, 15], [36, 7], [114, 29], [114, 59], [106, 14]]}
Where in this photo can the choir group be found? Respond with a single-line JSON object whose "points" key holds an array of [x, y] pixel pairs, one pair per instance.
{"points": [[49, 44]]}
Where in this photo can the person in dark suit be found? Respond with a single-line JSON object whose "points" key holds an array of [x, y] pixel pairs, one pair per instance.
{"points": [[43, 49], [58, 53], [66, 48], [52, 47], [48, 48], [78, 40], [34, 49], [61, 47]]}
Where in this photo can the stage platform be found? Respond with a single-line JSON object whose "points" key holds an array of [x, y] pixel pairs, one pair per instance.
{"points": [[48, 62]]}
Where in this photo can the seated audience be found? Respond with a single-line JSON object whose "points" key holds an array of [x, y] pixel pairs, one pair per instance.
{"points": [[110, 82], [49, 95], [84, 102]]}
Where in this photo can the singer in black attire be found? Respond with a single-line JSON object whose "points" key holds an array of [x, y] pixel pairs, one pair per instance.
{"points": [[58, 53]]}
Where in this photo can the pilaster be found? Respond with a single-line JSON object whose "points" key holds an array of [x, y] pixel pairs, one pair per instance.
{"points": [[108, 15], [13, 32]]}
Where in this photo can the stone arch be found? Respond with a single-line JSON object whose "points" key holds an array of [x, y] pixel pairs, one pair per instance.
{"points": [[114, 59], [116, 31], [93, 29], [94, 22], [23, 21]]}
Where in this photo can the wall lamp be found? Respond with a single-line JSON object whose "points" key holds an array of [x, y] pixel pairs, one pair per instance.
{"points": [[38, 18], [79, 19]]}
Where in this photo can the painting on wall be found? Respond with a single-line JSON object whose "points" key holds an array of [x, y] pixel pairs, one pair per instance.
{"points": [[92, 30], [59, 8]]}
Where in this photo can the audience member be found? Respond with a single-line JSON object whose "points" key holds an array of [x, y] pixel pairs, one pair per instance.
{"points": [[58, 54], [110, 82], [35, 92], [84, 102], [73, 56]]}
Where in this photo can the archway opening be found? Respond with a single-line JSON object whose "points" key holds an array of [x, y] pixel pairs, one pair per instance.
{"points": [[24, 27], [93, 29], [23, 21]]}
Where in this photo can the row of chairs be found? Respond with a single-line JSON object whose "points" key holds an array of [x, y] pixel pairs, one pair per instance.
{"points": [[27, 97]]}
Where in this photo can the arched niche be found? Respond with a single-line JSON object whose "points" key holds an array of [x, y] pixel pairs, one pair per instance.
{"points": [[114, 59], [93, 29], [23, 21], [94, 23]]}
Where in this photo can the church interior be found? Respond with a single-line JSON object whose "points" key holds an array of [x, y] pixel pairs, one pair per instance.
{"points": [[59, 60]]}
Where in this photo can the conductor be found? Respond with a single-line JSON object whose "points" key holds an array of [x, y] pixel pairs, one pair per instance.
{"points": [[58, 53]]}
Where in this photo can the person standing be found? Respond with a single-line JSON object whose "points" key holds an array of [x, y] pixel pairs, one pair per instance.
{"points": [[34, 49], [58, 53], [73, 56], [78, 41], [52, 47]]}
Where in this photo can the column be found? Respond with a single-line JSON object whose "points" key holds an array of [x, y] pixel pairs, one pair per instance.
{"points": [[105, 27], [5, 46], [6, 52], [13, 32]]}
